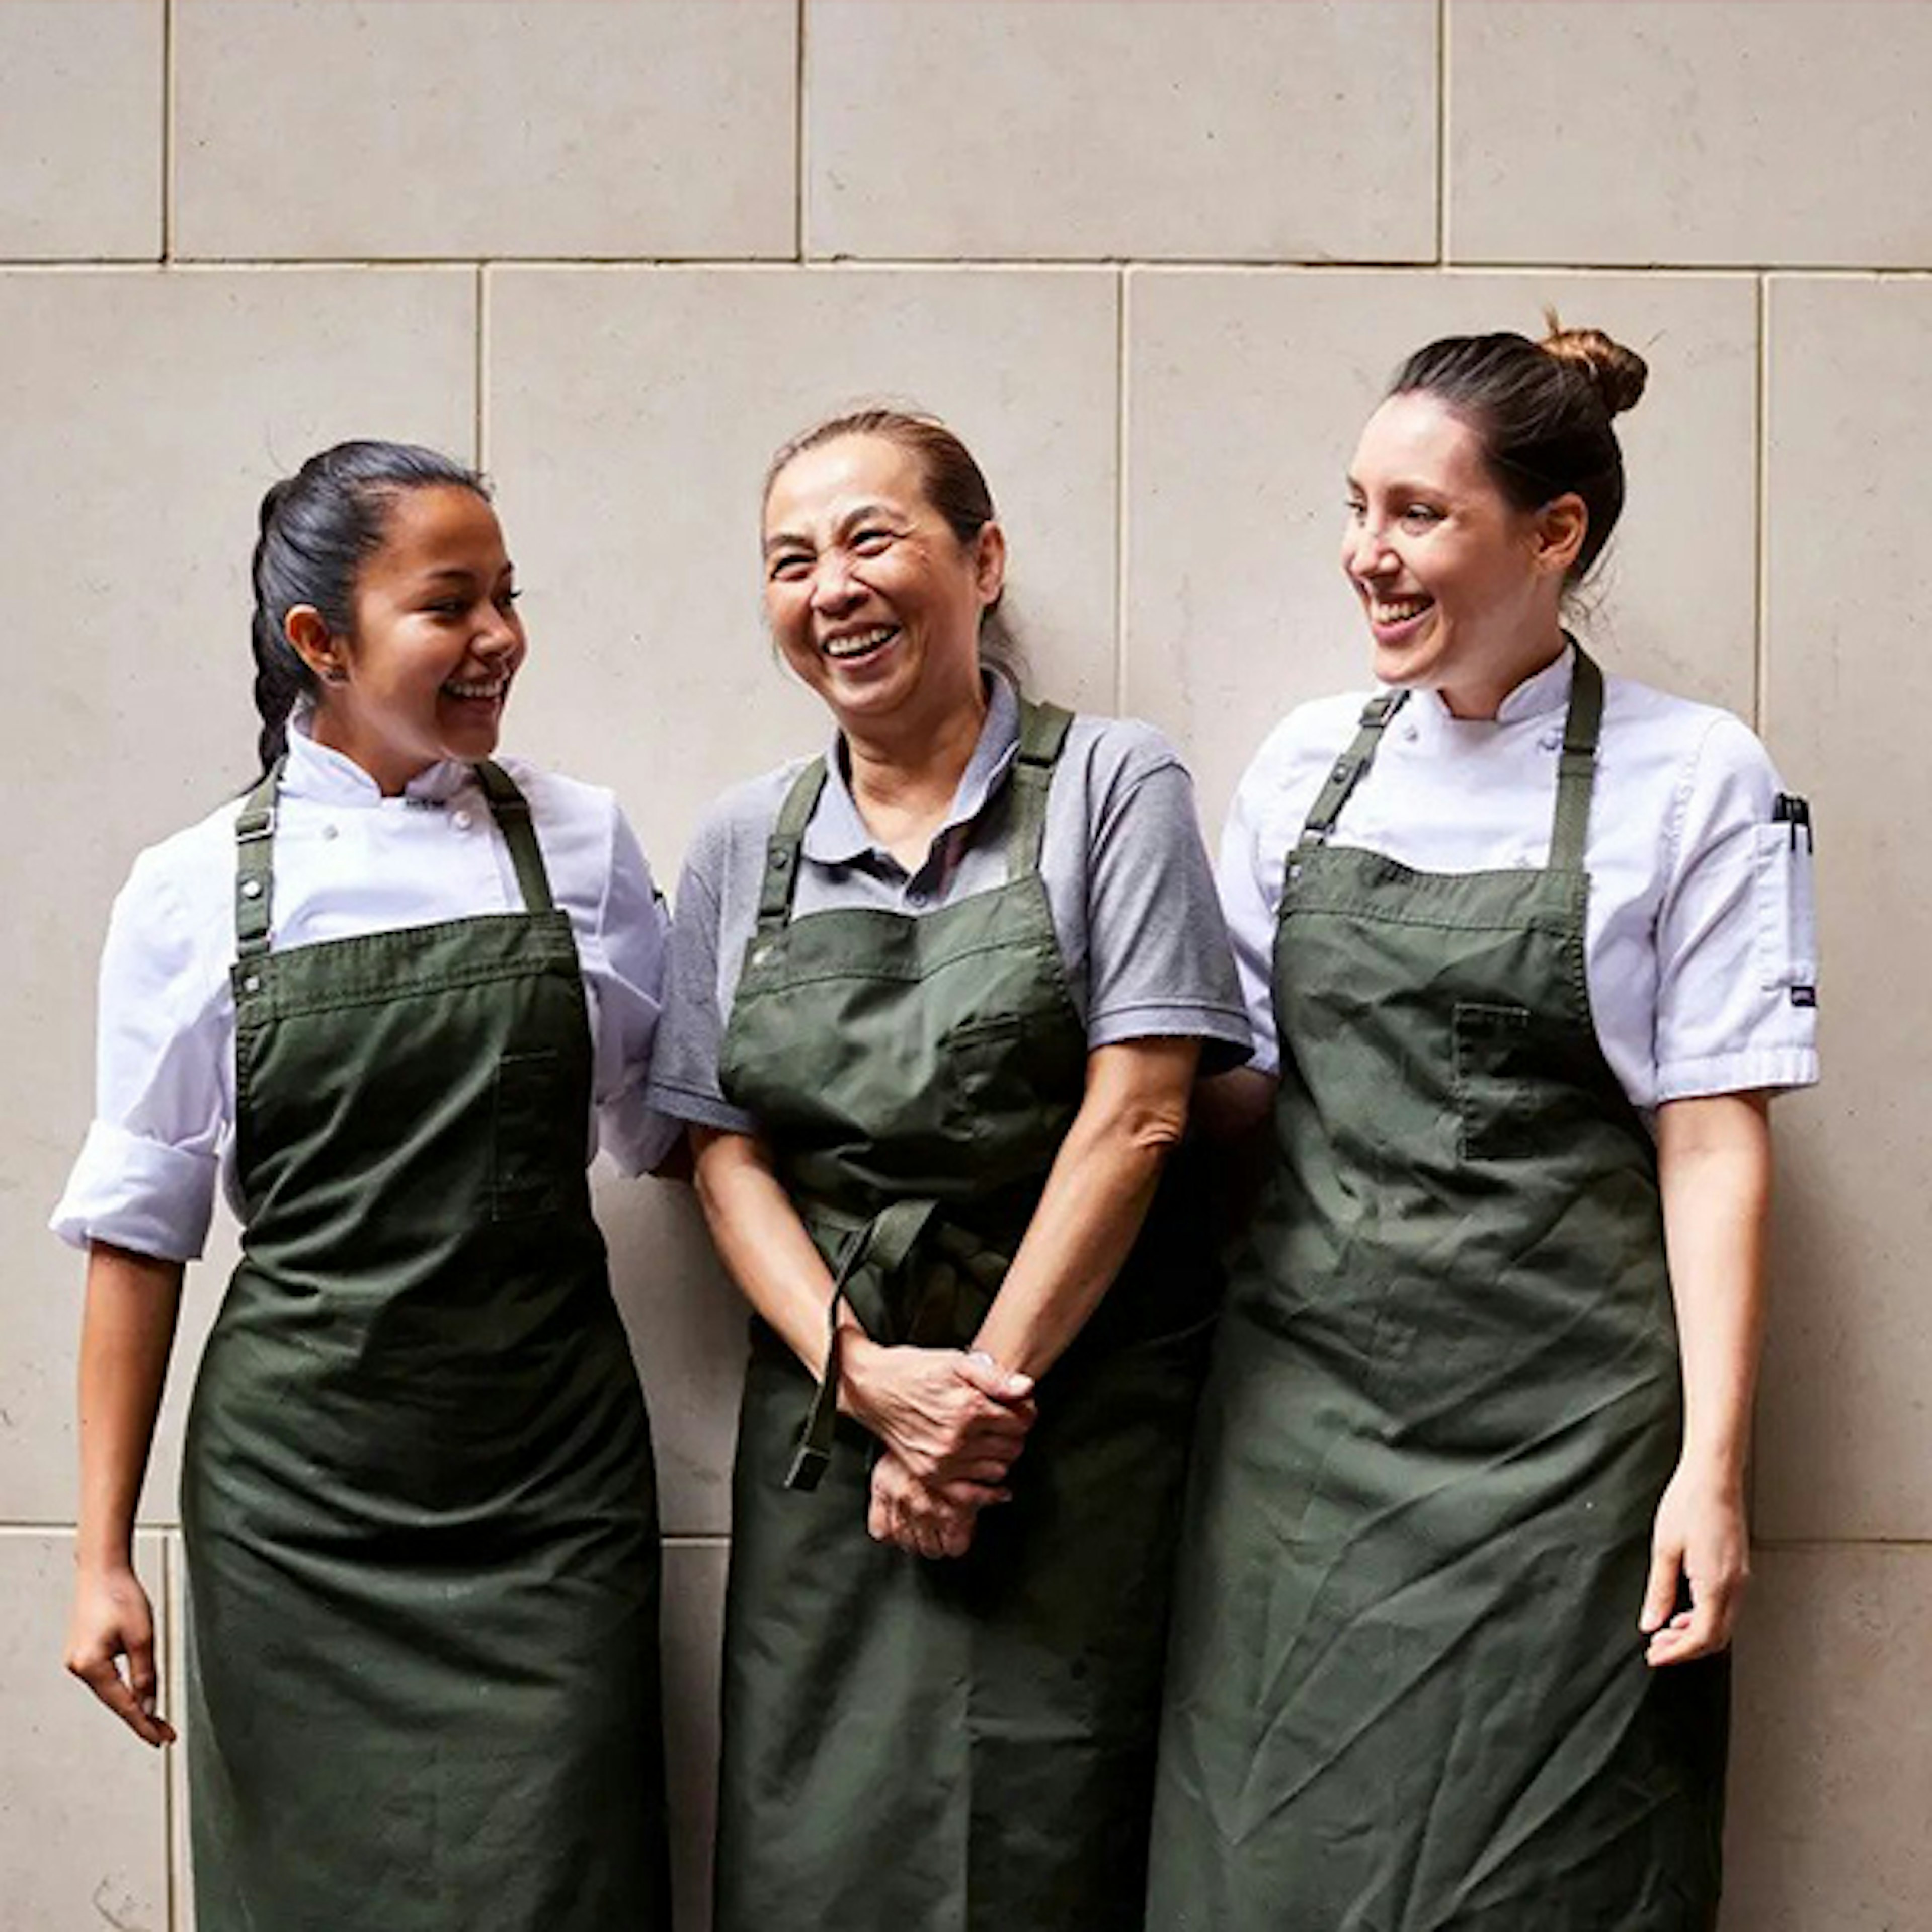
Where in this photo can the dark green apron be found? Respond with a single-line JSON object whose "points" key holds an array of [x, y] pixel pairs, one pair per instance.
{"points": [[912, 1746], [417, 1493], [1409, 1693]]}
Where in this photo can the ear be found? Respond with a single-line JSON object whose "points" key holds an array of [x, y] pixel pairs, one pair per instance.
{"points": [[308, 631], [1562, 525], [989, 562]]}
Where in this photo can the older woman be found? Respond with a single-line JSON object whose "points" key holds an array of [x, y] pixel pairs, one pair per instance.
{"points": [[1530, 947], [937, 999]]}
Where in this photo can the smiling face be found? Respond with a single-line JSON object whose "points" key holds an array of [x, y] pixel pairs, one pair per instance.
{"points": [[425, 671], [1462, 590], [873, 600]]}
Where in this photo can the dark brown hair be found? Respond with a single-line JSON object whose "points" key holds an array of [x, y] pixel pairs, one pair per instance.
{"points": [[315, 531], [956, 486], [1542, 412]]}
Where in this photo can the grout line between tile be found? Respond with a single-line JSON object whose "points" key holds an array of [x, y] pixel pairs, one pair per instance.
{"points": [[167, 130], [800, 159], [1663, 271], [1442, 131], [479, 400], [1761, 656], [1120, 493]]}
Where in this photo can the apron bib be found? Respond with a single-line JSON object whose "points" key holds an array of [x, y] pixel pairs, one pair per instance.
{"points": [[1408, 1692], [417, 1492], [963, 1746]]}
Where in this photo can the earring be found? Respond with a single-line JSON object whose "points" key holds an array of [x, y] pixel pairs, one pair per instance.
{"points": [[335, 674]]}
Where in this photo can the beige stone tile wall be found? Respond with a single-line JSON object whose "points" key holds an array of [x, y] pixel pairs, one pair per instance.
{"points": [[1154, 257]]}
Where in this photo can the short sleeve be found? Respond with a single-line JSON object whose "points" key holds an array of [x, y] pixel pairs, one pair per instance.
{"points": [[684, 1083], [1737, 965], [1158, 964], [633, 929], [147, 1173]]}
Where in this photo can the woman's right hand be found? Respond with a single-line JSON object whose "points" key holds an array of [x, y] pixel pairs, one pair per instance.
{"points": [[948, 1416], [112, 1619]]}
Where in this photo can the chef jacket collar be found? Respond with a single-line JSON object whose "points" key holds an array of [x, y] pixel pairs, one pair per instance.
{"points": [[1540, 693], [331, 777], [838, 834]]}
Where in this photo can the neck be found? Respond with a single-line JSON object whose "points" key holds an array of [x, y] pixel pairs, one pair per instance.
{"points": [[391, 771], [903, 780], [1482, 697]]}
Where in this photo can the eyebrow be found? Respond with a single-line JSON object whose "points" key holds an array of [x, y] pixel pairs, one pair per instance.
{"points": [[859, 512]]}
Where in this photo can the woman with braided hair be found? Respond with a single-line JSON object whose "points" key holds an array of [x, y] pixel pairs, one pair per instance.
{"points": [[391, 997]]}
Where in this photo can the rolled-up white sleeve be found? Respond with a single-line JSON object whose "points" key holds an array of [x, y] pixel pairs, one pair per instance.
{"points": [[1736, 935], [632, 928], [147, 1171]]}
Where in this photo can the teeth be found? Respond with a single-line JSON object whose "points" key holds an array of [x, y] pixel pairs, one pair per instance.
{"points": [[1398, 609], [494, 688], [860, 642]]}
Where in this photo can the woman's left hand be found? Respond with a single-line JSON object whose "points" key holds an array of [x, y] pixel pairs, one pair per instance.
{"points": [[1701, 1537], [925, 1519]]}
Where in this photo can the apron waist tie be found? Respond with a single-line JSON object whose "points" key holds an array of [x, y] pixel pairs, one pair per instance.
{"points": [[884, 1243]]}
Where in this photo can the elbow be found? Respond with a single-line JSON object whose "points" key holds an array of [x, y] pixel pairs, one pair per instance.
{"points": [[1150, 1126]]}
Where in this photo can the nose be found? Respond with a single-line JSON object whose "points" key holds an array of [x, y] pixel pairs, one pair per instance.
{"points": [[1365, 551], [833, 588]]}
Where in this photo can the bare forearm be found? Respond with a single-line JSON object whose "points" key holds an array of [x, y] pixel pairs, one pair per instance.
{"points": [[1096, 1197], [133, 1302], [1714, 1161], [762, 1241]]}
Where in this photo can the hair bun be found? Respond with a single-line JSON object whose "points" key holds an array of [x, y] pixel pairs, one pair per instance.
{"points": [[1616, 373]]}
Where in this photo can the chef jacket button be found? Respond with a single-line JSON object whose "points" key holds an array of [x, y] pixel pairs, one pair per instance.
{"points": [[328, 832], [1411, 732], [917, 895], [251, 889], [462, 821], [1550, 740]]}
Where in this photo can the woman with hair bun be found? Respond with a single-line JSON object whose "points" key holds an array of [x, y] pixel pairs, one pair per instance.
{"points": [[937, 998], [391, 998], [1527, 950]]}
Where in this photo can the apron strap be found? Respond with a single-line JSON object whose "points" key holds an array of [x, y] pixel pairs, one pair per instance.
{"points": [[254, 864], [1043, 730], [782, 849], [511, 811], [1577, 769], [884, 1243], [1350, 769]]}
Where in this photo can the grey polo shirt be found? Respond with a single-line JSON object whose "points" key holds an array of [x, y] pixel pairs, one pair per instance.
{"points": [[1128, 880]]}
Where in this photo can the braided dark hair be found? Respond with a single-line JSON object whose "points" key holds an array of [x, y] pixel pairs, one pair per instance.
{"points": [[315, 530]]}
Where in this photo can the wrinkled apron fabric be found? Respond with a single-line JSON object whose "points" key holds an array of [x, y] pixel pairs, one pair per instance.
{"points": [[1409, 1693], [417, 1493], [968, 1746]]}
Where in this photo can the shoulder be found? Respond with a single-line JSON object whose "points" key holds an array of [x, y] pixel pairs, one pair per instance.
{"points": [[189, 871], [1703, 750], [738, 822], [555, 800], [1304, 743], [1118, 753]]}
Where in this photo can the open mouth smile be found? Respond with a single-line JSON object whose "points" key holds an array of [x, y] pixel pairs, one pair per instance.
{"points": [[855, 647]]}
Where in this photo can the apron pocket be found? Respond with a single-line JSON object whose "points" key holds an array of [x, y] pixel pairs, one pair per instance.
{"points": [[1497, 1121], [532, 1150]]}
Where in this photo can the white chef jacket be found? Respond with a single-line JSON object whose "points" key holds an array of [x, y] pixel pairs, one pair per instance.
{"points": [[347, 861], [1701, 950]]}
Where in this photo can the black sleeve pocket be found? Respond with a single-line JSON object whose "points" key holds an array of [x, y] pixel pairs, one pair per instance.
{"points": [[534, 1146], [1787, 921], [1493, 1084]]}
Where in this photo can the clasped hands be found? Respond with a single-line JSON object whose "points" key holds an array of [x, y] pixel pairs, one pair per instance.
{"points": [[950, 1425]]}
